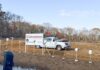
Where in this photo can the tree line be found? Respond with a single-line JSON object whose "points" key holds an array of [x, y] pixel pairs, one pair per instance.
{"points": [[12, 25]]}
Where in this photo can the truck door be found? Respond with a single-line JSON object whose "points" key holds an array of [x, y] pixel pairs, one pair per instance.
{"points": [[49, 43]]}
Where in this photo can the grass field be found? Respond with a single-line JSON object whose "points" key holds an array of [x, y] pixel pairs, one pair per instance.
{"points": [[18, 46], [30, 57]]}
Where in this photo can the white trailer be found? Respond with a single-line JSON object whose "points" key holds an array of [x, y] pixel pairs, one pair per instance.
{"points": [[34, 39]]}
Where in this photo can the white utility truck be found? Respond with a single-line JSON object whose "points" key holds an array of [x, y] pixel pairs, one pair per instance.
{"points": [[48, 42]]}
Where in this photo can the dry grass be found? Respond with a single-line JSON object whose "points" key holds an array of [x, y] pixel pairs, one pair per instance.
{"points": [[19, 47]]}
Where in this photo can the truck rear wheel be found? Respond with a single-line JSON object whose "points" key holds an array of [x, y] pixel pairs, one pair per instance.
{"points": [[58, 47]]}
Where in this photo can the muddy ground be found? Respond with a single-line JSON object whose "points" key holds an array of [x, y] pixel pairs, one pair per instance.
{"points": [[47, 62]]}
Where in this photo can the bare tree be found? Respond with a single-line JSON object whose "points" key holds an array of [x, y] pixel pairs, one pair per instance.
{"points": [[95, 32], [48, 26], [69, 32]]}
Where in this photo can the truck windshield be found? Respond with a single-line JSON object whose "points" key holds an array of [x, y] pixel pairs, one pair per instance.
{"points": [[48, 39]]}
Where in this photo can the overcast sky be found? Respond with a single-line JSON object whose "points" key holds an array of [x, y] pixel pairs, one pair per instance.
{"points": [[77, 14]]}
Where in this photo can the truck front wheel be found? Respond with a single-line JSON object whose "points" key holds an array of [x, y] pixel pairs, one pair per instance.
{"points": [[58, 47]]}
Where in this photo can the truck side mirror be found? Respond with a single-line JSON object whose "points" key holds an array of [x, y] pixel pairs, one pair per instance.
{"points": [[53, 40]]}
